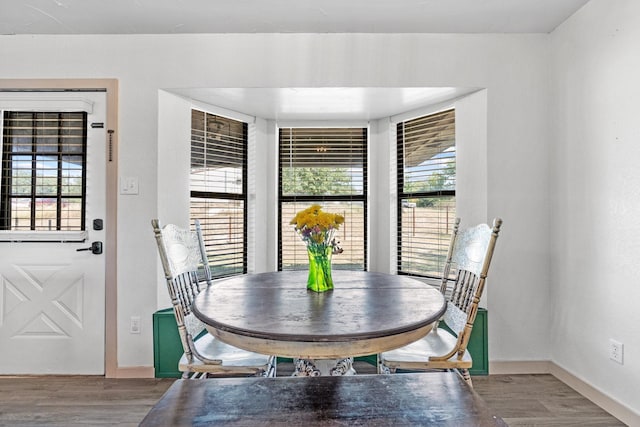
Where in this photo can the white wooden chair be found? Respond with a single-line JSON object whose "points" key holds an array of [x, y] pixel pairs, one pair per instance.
{"points": [[187, 271], [463, 281]]}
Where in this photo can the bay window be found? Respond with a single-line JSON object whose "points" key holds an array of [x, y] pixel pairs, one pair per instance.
{"points": [[218, 186], [426, 153], [327, 166]]}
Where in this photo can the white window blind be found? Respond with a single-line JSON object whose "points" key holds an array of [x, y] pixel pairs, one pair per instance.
{"points": [[327, 166], [426, 192], [219, 189]]}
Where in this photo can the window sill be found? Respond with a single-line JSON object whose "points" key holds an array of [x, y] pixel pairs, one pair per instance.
{"points": [[43, 236]]}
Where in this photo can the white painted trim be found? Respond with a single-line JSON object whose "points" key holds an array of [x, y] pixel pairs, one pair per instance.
{"points": [[252, 173], [322, 123], [220, 111], [43, 101], [613, 407], [430, 109], [43, 236], [519, 367]]}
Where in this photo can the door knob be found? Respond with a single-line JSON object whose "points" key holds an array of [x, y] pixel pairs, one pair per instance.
{"points": [[95, 248]]}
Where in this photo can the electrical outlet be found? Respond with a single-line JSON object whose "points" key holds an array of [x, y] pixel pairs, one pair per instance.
{"points": [[135, 325], [616, 351]]}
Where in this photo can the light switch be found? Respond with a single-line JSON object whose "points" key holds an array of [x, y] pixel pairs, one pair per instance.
{"points": [[128, 185]]}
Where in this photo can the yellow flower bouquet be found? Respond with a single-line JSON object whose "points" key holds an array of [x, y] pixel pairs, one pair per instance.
{"points": [[317, 229]]}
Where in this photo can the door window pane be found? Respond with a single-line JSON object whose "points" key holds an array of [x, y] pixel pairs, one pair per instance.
{"points": [[43, 165]]}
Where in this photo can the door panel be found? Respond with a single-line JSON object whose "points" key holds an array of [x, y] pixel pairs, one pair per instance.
{"points": [[52, 297]]}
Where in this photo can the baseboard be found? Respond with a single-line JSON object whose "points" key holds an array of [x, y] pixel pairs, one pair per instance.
{"points": [[135, 372], [618, 410], [520, 367]]}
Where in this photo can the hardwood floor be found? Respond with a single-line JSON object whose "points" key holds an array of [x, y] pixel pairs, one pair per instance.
{"points": [[77, 401], [540, 400], [521, 400]]}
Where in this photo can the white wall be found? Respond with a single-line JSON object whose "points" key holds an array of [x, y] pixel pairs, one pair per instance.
{"points": [[382, 197], [595, 246], [513, 69], [174, 149], [472, 155]]}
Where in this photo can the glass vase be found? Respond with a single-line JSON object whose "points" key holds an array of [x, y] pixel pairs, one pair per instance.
{"points": [[320, 279]]}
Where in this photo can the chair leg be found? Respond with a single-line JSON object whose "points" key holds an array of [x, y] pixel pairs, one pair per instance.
{"points": [[466, 376], [384, 369], [273, 367], [271, 370], [194, 375]]}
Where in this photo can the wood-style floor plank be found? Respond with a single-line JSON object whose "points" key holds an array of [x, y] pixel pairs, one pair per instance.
{"points": [[77, 400], [540, 401], [521, 400]]}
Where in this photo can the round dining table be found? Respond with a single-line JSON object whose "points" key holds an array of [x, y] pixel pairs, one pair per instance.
{"points": [[273, 313]]}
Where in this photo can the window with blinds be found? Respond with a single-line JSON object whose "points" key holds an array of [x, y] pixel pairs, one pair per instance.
{"points": [[218, 187], [327, 166], [426, 192], [43, 171]]}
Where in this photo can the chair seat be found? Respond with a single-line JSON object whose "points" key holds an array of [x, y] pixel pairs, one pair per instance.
{"points": [[416, 355], [230, 359]]}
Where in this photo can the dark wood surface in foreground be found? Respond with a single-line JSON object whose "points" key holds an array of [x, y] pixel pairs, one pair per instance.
{"points": [[521, 400], [419, 399]]}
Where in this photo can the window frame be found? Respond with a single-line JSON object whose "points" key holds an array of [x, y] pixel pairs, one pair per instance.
{"points": [[309, 199], [402, 195], [220, 195], [77, 233]]}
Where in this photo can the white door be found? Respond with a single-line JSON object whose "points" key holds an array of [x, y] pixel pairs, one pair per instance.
{"points": [[52, 296]]}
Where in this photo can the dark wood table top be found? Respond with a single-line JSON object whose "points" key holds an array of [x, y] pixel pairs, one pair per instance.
{"points": [[274, 313], [434, 399]]}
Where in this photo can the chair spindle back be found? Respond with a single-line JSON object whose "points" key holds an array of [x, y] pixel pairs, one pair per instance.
{"points": [[465, 272], [184, 262]]}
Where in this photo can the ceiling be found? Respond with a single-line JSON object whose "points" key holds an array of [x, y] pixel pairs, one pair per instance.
{"points": [[293, 16], [282, 16]]}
